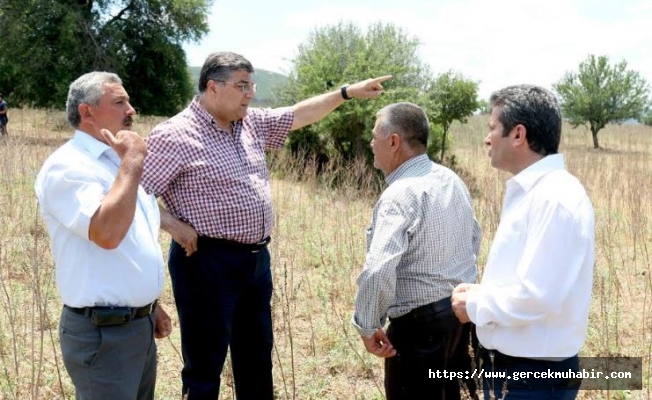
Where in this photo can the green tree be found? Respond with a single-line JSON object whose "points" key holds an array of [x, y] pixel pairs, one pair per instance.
{"points": [[335, 55], [450, 98], [647, 120], [49, 43], [484, 107], [601, 93]]}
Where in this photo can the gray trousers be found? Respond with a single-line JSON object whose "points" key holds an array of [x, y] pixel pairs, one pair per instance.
{"points": [[109, 362]]}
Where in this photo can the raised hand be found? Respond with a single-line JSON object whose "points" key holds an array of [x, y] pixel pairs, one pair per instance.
{"points": [[125, 142], [367, 89]]}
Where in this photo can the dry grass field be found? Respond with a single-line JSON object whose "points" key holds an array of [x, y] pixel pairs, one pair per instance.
{"points": [[317, 252]]}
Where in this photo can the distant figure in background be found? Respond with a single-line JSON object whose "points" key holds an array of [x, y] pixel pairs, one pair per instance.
{"points": [[422, 242], [104, 239], [3, 116], [208, 165], [531, 309]]}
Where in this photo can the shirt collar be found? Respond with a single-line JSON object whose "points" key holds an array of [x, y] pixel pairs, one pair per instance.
{"points": [[89, 144], [204, 115], [408, 167], [530, 175], [200, 111]]}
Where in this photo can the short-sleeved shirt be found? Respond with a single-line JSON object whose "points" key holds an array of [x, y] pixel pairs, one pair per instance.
{"points": [[216, 181], [70, 188]]}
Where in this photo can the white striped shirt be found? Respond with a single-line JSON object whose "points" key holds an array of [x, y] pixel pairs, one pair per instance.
{"points": [[423, 241]]}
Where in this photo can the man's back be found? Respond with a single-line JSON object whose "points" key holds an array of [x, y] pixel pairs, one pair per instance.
{"points": [[423, 240], [433, 206], [444, 238]]}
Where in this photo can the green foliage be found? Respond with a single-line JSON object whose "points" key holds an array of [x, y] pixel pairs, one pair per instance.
{"points": [[601, 93], [435, 141], [647, 116], [450, 98], [341, 54], [647, 120], [49, 43], [484, 107]]}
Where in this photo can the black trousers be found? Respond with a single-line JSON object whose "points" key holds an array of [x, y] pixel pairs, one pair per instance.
{"points": [[223, 296], [427, 339]]}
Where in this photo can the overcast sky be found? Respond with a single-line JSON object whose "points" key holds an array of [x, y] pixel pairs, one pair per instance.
{"points": [[497, 42]]}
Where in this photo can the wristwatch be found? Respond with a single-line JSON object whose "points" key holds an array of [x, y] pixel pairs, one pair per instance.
{"points": [[343, 91]]}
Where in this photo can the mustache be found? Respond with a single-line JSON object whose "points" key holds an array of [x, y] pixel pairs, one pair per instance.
{"points": [[128, 120]]}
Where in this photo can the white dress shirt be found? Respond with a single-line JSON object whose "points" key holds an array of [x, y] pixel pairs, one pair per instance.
{"points": [[70, 188], [534, 297], [423, 241]]}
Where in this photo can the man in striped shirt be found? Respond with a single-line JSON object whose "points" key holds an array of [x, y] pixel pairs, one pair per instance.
{"points": [[423, 241], [208, 165]]}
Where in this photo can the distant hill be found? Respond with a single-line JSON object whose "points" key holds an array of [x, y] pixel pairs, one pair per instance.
{"points": [[266, 81]]}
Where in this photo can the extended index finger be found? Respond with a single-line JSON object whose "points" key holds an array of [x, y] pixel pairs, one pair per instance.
{"points": [[108, 136], [382, 79]]}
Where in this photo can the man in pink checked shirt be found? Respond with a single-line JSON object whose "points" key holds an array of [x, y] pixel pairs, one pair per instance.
{"points": [[208, 165]]}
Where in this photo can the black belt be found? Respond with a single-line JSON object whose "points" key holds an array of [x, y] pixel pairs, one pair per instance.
{"points": [[233, 245], [436, 307], [135, 312]]}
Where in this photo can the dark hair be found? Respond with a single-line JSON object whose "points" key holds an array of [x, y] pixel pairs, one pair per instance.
{"points": [[408, 120], [536, 109], [219, 67]]}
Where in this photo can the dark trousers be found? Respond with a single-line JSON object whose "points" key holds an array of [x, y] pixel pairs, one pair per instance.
{"points": [[109, 362], [427, 339], [519, 387], [223, 297]]}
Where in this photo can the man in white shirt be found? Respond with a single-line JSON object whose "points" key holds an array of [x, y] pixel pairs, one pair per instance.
{"points": [[104, 239], [531, 309]]}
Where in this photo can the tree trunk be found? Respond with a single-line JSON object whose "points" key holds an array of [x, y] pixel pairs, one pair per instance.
{"points": [[596, 145], [443, 145], [360, 145]]}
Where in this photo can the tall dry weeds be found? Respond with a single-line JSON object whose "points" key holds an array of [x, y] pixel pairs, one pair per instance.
{"points": [[317, 252]]}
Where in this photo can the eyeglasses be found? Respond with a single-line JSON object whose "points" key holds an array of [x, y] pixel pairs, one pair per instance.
{"points": [[245, 87]]}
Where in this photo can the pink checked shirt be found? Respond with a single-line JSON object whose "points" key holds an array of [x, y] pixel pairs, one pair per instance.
{"points": [[215, 181]]}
